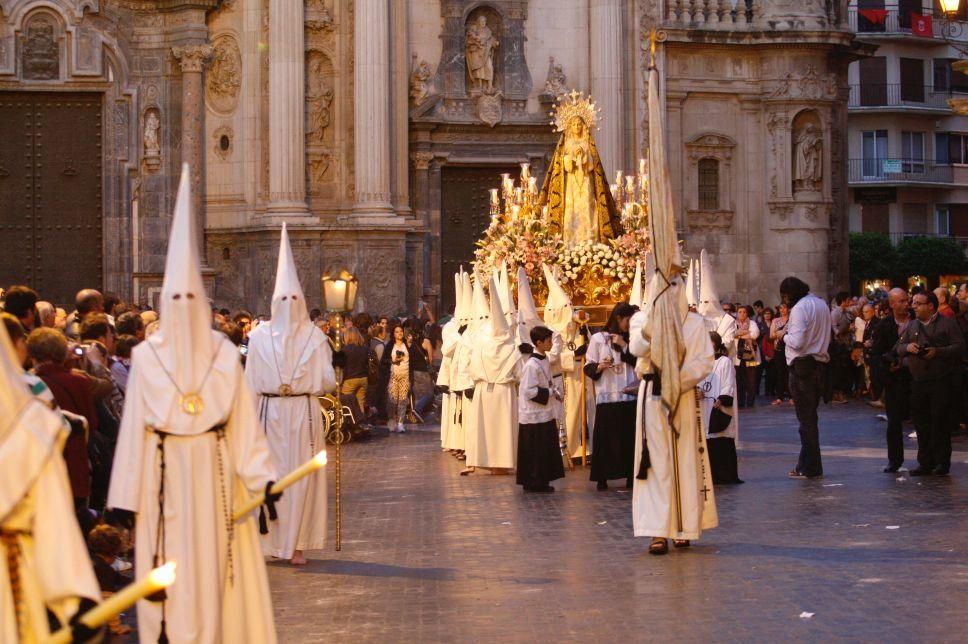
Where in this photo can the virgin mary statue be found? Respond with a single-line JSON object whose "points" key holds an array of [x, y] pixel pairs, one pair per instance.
{"points": [[580, 205]]}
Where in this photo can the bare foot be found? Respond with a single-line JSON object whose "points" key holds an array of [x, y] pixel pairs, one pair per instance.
{"points": [[298, 559], [466, 471]]}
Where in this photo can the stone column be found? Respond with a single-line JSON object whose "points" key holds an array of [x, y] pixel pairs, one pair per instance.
{"points": [[287, 98], [372, 108], [193, 59], [607, 37]]}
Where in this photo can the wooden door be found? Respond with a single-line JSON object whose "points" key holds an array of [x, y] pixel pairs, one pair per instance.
{"points": [[465, 215], [51, 192]]}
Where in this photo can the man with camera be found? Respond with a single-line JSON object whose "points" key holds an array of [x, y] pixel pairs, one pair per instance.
{"points": [[894, 373], [933, 346]]}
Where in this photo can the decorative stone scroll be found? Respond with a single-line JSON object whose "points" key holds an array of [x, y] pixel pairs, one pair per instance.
{"points": [[224, 78]]}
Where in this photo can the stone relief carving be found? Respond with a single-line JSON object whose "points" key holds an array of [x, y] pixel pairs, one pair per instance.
{"points": [[556, 83], [319, 97], [422, 159], [318, 18], [709, 220], [479, 48], [421, 87], [224, 142], [809, 85], [489, 108], [320, 164], [151, 140], [808, 167], [224, 78], [41, 55]]}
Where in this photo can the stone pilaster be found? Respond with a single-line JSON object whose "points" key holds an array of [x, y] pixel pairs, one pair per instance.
{"points": [[192, 59], [607, 68], [372, 108], [287, 142]]}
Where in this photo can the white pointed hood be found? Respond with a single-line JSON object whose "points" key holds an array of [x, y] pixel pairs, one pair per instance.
{"points": [[528, 317], [558, 308], [691, 281], [482, 310], [467, 299], [290, 325], [458, 298], [635, 295], [500, 330], [709, 306]]}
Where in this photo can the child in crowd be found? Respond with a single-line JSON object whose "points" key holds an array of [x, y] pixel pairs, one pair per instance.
{"points": [[539, 455], [106, 543]]}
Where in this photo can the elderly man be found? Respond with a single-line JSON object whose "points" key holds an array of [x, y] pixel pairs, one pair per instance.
{"points": [[46, 315], [86, 302], [934, 347]]}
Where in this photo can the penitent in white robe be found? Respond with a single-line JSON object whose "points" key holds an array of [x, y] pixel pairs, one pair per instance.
{"points": [[654, 506], [206, 478], [492, 435], [448, 405], [37, 510], [294, 430]]}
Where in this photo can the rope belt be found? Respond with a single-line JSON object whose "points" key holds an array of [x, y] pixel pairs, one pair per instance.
{"points": [[9, 540]]}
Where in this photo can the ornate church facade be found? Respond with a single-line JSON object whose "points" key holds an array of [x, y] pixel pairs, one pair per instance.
{"points": [[375, 127]]}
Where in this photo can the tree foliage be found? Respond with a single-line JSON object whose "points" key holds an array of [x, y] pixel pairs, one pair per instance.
{"points": [[929, 256], [872, 256]]}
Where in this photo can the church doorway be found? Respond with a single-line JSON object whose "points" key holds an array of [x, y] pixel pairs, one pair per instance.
{"points": [[51, 192], [465, 215]]}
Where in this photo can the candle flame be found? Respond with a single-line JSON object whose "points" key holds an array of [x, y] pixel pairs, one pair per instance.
{"points": [[320, 458], [163, 576]]}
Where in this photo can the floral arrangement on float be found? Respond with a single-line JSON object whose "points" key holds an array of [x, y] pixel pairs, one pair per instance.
{"points": [[591, 233]]}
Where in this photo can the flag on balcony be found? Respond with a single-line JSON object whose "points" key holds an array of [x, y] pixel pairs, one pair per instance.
{"points": [[922, 25], [874, 16]]}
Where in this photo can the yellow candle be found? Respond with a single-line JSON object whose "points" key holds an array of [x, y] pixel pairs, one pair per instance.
{"points": [[157, 579], [303, 470], [525, 171], [641, 166], [494, 198]]}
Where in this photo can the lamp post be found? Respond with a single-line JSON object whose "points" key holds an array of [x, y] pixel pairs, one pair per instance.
{"points": [[339, 297]]}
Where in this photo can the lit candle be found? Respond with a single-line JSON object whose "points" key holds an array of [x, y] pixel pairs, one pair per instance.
{"points": [[518, 193], [494, 198], [525, 171], [515, 210], [302, 471], [614, 188], [544, 212], [630, 185], [157, 579], [641, 166], [532, 185], [618, 177]]}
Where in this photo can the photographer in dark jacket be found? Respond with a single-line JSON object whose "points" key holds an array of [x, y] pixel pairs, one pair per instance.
{"points": [[934, 346], [893, 373]]}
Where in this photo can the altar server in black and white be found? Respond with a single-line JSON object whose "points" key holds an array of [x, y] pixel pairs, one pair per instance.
{"points": [[539, 452]]}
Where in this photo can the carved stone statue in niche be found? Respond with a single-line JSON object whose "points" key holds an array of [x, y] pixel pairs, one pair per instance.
{"points": [[41, 57], [808, 159], [556, 84], [152, 126], [319, 98], [479, 48], [420, 86]]}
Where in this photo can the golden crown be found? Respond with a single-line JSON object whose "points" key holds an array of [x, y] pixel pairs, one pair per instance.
{"points": [[574, 105]]}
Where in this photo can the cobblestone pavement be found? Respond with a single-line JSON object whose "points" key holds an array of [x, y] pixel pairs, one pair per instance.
{"points": [[429, 556]]}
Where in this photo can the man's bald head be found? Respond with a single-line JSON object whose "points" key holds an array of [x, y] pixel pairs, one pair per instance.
{"points": [[89, 301], [899, 301]]}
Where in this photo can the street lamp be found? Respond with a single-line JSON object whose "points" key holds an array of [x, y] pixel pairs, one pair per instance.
{"points": [[339, 297], [949, 7]]}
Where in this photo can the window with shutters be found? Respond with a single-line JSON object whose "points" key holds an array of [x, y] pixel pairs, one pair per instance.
{"points": [[708, 184]]}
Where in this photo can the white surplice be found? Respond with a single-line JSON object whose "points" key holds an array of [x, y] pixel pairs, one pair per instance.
{"points": [[654, 504], [295, 432], [205, 479], [37, 515], [448, 347], [721, 382]]}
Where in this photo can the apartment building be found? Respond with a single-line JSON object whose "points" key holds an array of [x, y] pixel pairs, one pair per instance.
{"points": [[908, 149]]}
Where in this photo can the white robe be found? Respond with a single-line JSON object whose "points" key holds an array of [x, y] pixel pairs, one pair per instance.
{"points": [[204, 604], [461, 380], [295, 431], [449, 340], [654, 506], [37, 506], [721, 382], [492, 437]]}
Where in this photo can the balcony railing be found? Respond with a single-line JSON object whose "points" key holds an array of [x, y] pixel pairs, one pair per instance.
{"points": [[898, 95], [896, 22], [896, 238], [898, 171]]}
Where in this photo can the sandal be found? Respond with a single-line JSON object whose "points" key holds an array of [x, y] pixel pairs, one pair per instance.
{"points": [[658, 546], [681, 543], [466, 471]]}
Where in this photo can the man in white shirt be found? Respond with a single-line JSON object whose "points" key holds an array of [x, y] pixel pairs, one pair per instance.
{"points": [[807, 338]]}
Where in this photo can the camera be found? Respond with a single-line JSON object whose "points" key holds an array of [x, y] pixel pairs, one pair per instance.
{"points": [[80, 350], [244, 349], [922, 352]]}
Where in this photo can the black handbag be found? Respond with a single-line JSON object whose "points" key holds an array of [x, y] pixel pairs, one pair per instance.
{"points": [[718, 421], [746, 351]]}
